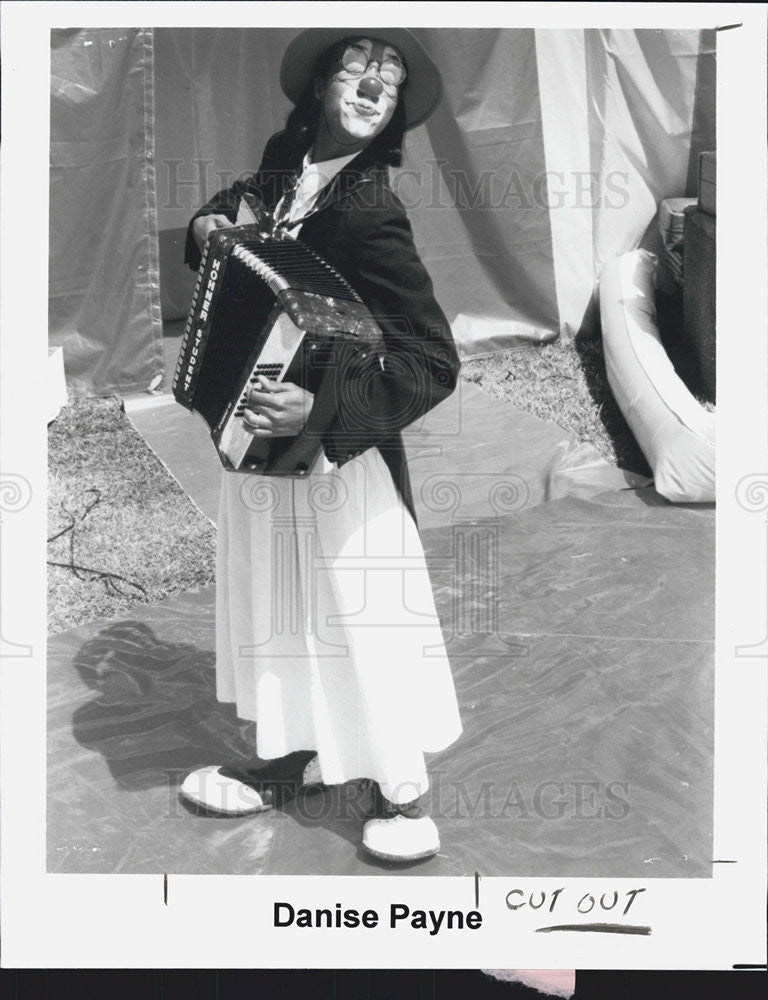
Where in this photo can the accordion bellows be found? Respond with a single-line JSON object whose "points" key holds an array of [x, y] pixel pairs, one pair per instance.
{"points": [[271, 306]]}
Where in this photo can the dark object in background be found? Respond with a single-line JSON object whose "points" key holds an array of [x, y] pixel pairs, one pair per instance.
{"points": [[707, 179], [671, 218], [699, 294]]}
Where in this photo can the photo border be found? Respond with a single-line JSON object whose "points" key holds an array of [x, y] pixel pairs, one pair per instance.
{"points": [[108, 921]]}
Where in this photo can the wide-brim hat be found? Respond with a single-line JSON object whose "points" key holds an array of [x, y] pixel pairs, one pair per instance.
{"points": [[424, 83]]}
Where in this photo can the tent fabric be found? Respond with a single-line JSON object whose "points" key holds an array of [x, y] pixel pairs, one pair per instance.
{"points": [[621, 137], [476, 173], [519, 187], [104, 302], [466, 179], [547, 157], [217, 103]]}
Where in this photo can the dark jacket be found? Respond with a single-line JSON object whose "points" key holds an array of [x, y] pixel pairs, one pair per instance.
{"points": [[359, 226]]}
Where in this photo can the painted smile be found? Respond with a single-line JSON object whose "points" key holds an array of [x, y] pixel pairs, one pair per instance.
{"points": [[364, 110]]}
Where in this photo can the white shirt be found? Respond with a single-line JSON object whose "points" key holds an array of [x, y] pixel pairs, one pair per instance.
{"points": [[313, 179]]}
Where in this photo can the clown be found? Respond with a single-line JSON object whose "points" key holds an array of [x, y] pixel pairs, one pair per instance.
{"points": [[359, 686]]}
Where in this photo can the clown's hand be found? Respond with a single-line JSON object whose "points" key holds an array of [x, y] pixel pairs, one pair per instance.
{"points": [[203, 226], [276, 409]]}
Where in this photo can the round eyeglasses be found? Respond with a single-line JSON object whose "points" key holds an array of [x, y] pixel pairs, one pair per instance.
{"points": [[355, 62]]}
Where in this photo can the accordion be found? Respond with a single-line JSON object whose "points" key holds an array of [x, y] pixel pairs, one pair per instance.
{"points": [[268, 305]]}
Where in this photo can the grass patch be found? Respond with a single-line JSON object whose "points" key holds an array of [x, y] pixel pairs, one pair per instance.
{"points": [[565, 384], [131, 519]]}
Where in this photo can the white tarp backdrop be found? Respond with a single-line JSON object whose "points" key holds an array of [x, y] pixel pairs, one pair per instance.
{"points": [[104, 296], [548, 156]]}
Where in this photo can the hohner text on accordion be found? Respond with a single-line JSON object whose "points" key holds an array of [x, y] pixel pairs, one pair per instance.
{"points": [[209, 290]]}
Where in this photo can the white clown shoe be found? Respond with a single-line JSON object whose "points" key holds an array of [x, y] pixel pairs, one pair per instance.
{"points": [[207, 788], [233, 791], [401, 838]]}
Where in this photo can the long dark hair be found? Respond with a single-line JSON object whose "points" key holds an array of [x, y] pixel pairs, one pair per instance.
{"points": [[302, 123]]}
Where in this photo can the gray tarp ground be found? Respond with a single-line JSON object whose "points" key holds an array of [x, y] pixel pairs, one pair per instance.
{"points": [[583, 661], [587, 695]]}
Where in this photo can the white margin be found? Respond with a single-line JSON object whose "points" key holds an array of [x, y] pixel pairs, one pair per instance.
{"points": [[51, 921]]}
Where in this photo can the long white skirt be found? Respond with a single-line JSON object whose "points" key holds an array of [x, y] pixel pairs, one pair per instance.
{"points": [[326, 630]]}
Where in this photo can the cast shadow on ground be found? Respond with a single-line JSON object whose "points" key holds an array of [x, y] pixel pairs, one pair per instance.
{"points": [[156, 712], [156, 718]]}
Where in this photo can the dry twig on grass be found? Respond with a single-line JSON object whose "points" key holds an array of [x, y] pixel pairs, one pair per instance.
{"points": [[121, 530]]}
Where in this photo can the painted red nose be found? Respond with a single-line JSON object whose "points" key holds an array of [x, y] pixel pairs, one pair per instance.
{"points": [[370, 87]]}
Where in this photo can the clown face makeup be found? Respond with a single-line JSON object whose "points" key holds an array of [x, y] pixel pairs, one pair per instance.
{"points": [[358, 97], [361, 54]]}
